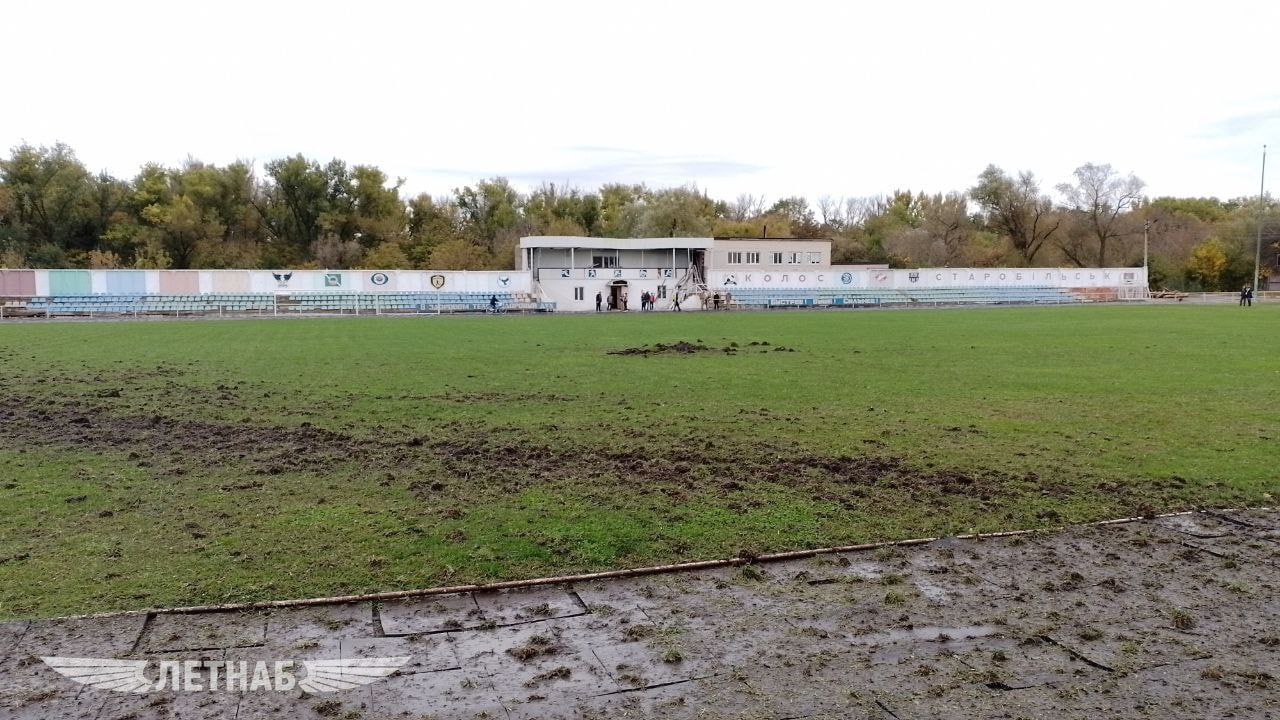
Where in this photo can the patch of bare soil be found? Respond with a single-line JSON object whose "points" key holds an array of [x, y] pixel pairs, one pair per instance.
{"points": [[682, 347], [478, 456]]}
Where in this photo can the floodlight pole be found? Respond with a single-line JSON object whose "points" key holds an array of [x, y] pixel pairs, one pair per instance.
{"points": [[1262, 206], [1146, 232]]}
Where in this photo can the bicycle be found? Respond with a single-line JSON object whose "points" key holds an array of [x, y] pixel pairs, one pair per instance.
{"points": [[496, 310]]}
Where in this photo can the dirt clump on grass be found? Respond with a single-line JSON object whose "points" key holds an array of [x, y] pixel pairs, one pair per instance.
{"points": [[682, 347]]}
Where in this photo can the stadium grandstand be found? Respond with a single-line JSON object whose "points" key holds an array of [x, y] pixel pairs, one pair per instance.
{"points": [[579, 274]]}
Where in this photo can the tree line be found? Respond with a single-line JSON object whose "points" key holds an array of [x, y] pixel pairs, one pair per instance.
{"points": [[299, 212]]}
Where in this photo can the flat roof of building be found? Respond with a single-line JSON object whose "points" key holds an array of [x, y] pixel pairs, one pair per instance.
{"points": [[598, 243]]}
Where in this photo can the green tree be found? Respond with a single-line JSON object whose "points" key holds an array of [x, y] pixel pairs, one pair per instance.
{"points": [[302, 202], [387, 256], [459, 255], [490, 211], [798, 215], [1015, 208], [51, 201]]}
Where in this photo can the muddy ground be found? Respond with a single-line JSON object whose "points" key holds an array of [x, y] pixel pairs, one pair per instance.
{"points": [[171, 445], [507, 460], [1167, 618]]}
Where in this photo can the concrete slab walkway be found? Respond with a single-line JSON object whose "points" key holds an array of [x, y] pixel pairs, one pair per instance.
{"points": [[1172, 617]]}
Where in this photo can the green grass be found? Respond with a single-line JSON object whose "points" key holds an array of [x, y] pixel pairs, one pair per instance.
{"points": [[474, 449]]}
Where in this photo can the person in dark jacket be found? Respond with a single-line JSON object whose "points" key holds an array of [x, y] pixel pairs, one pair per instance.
{"points": [[598, 302]]}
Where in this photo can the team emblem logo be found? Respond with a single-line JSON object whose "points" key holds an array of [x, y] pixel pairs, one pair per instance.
{"points": [[379, 278], [437, 281], [333, 279], [730, 279], [846, 278], [282, 280], [913, 276], [617, 273], [591, 273], [504, 280], [666, 273], [644, 273]]}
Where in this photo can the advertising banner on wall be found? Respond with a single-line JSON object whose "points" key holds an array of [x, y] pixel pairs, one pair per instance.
{"points": [[931, 278]]}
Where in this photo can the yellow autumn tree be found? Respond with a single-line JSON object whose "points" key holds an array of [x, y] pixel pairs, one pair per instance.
{"points": [[1207, 264]]}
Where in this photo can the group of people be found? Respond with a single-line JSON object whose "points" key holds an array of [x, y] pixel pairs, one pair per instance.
{"points": [[648, 301], [613, 302], [1246, 296]]}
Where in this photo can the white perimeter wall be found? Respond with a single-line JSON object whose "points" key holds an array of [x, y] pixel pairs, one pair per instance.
{"points": [[165, 282], [836, 276]]}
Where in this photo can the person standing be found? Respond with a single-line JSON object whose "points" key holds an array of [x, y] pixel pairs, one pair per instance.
{"points": [[599, 300], [1244, 294], [675, 302], [623, 297], [1248, 296]]}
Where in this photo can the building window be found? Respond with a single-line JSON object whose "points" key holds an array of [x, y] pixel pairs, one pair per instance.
{"points": [[604, 261], [815, 258], [753, 258], [795, 258], [735, 258], [777, 258], [662, 292], [577, 293]]}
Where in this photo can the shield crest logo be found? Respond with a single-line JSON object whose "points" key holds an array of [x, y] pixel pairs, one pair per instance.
{"points": [[914, 276], [437, 281]]}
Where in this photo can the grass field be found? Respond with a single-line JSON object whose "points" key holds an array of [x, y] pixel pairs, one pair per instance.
{"points": [[147, 464]]}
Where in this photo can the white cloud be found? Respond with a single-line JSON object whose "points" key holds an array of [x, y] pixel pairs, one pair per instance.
{"points": [[802, 97]]}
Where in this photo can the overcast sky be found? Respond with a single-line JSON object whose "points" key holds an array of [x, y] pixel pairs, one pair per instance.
{"points": [[772, 98]]}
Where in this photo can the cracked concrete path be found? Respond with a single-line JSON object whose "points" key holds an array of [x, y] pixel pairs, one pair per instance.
{"points": [[1171, 617]]}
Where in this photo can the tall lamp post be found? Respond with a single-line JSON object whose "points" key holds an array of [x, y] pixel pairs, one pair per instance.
{"points": [[1146, 234], [1262, 206]]}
